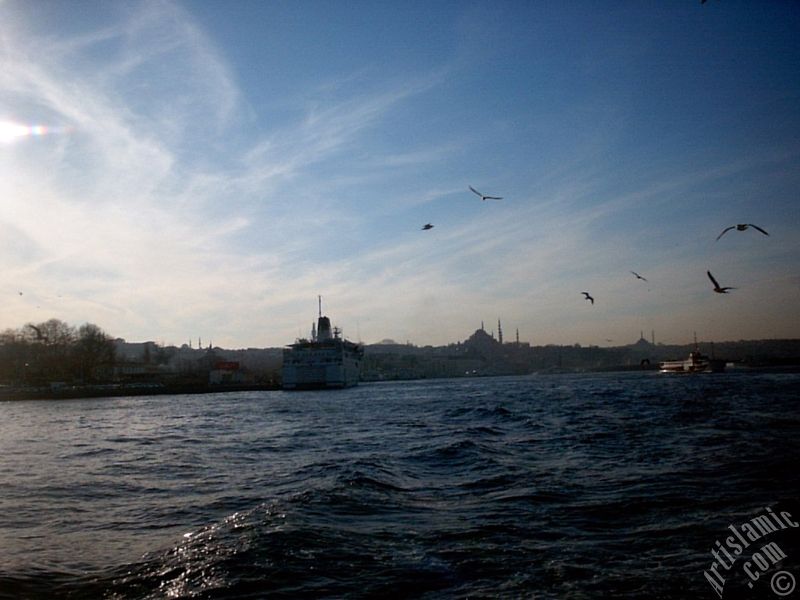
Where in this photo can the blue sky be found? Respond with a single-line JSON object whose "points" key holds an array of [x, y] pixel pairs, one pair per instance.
{"points": [[175, 170]]}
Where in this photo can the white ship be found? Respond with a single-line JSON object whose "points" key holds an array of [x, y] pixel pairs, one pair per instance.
{"points": [[325, 361], [696, 363]]}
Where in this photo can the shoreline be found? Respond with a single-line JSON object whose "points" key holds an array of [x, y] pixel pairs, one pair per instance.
{"points": [[116, 391], [10, 394]]}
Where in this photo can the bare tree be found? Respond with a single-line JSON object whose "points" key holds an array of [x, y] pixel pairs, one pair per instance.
{"points": [[49, 344], [94, 353]]}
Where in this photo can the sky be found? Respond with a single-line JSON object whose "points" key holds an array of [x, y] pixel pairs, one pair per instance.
{"points": [[175, 171]]}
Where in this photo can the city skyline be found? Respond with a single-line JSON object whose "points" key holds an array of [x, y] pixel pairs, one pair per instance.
{"points": [[175, 170]]}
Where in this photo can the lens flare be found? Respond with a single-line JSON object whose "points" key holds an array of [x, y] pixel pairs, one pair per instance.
{"points": [[12, 132]]}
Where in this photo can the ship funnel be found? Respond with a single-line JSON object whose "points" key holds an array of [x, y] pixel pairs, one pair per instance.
{"points": [[323, 324], [323, 329]]}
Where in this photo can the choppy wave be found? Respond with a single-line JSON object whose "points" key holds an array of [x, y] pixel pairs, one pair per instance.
{"points": [[554, 487]]}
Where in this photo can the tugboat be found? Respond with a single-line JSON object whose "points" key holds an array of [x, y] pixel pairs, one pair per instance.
{"points": [[325, 361], [696, 363]]}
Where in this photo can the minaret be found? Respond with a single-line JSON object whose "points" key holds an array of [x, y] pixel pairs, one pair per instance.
{"points": [[517, 336], [499, 332], [482, 327], [313, 332]]}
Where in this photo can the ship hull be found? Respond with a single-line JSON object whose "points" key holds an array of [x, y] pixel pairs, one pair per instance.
{"points": [[319, 365]]}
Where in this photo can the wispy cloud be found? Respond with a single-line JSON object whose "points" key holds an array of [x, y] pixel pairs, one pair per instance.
{"points": [[169, 206], [100, 207], [124, 224]]}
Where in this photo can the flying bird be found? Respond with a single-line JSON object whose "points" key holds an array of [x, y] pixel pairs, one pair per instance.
{"points": [[39, 334], [484, 197], [638, 276], [719, 290], [427, 226], [741, 227], [588, 297]]}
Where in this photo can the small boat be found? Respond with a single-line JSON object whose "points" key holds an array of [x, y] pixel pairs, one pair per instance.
{"points": [[696, 363]]}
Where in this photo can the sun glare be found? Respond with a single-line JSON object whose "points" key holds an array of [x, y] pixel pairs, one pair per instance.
{"points": [[11, 132]]}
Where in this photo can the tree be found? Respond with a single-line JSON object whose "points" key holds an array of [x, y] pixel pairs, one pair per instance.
{"points": [[93, 353], [50, 344], [41, 353], [14, 355]]}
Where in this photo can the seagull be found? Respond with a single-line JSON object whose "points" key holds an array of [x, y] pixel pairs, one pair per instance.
{"points": [[39, 335], [741, 227], [638, 276], [719, 290], [427, 226], [484, 197], [588, 297]]}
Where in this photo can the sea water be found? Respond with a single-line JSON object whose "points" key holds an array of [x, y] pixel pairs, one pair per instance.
{"points": [[551, 486]]}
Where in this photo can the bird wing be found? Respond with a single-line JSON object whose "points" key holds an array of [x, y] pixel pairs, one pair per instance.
{"points": [[475, 191], [492, 197], [759, 228], [726, 230], [711, 277]]}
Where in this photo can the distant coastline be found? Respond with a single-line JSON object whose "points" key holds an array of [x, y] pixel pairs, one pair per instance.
{"points": [[115, 391], [51, 360], [79, 392]]}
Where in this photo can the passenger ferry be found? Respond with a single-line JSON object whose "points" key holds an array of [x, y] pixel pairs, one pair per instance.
{"points": [[696, 363], [327, 360]]}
